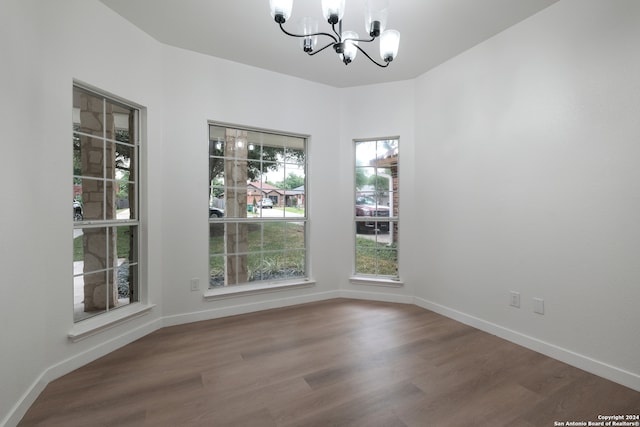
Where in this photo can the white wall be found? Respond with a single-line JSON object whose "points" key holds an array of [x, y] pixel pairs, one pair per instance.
{"points": [[529, 147], [45, 45], [199, 88], [22, 308], [518, 171], [367, 112]]}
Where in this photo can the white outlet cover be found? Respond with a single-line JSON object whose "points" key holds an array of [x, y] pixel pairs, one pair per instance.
{"points": [[538, 305], [514, 300]]}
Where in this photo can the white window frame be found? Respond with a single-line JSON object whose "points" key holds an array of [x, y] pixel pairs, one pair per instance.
{"points": [[268, 285], [377, 279], [103, 320]]}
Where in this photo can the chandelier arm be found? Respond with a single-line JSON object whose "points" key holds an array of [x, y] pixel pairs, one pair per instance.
{"points": [[360, 40], [320, 50], [370, 58], [308, 35], [339, 32]]}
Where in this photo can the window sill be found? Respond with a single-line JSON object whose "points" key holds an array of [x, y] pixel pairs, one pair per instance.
{"points": [[376, 281], [253, 289], [102, 322]]}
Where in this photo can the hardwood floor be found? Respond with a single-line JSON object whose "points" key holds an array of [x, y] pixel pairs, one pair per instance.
{"points": [[332, 363]]}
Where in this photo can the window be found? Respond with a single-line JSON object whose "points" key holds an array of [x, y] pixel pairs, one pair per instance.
{"points": [[376, 208], [105, 203], [257, 199]]}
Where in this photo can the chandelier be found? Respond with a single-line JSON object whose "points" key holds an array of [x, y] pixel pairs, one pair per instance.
{"points": [[345, 44]]}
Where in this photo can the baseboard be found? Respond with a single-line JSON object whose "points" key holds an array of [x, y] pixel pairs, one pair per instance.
{"points": [[20, 408], [596, 367], [81, 359], [72, 363], [376, 296], [252, 307]]}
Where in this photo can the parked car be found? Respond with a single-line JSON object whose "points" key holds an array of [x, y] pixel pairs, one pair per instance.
{"points": [[266, 203], [367, 206], [215, 212], [77, 211]]}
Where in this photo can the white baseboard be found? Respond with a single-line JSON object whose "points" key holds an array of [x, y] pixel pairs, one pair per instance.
{"points": [[81, 359], [596, 367], [376, 296], [234, 310], [72, 363]]}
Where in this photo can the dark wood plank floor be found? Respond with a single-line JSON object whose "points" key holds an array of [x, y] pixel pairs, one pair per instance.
{"points": [[332, 363]]}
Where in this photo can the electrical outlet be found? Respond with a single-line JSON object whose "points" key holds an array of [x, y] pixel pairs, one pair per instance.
{"points": [[195, 284], [538, 305], [514, 299]]}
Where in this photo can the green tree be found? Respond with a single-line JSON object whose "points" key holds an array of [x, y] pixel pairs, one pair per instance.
{"points": [[361, 178], [217, 188], [380, 183], [259, 161], [123, 187], [290, 182]]}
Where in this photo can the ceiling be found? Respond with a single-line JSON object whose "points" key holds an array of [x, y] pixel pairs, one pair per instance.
{"points": [[432, 31]]}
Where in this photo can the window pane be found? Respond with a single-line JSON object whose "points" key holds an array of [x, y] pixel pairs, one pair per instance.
{"points": [[387, 261], [216, 238], [294, 235], [274, 235], [216, 251], [252, 177], [295, 264], [105, 186], [295, 156], [257, 267], [125, 199], [88, 112], [95, 249], [365, 152], [88, 156], [216, 270], [216, 147], [120, 122], [256, 242], [127, 241], [237, 269], [127, 276], [84, 288], [273, 266], [123, 159], [376, 198]]}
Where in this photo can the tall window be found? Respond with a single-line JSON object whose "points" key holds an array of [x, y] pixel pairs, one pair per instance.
{"points": [[376, 208], [105, 203], [257, 199]]}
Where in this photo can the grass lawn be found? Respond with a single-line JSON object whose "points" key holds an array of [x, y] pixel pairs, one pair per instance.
{"points": [[273, 249], [294, 210], [277, 249], [376, 258]]}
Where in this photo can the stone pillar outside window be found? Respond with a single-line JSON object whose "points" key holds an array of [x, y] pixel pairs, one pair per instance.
{"points": [[98, 198], [236, 234]]}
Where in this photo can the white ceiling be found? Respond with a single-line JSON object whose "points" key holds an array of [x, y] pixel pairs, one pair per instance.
{"points": [[432, 31]]}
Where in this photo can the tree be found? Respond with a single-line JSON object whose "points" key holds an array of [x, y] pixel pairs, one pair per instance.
{"points": [[361, 178], [380, 182], [290, 182], [123, 187], [216, 188], [260, 160]]}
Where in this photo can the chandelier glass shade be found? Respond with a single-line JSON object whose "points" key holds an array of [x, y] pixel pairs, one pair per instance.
{"points": [[346, 44]]}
